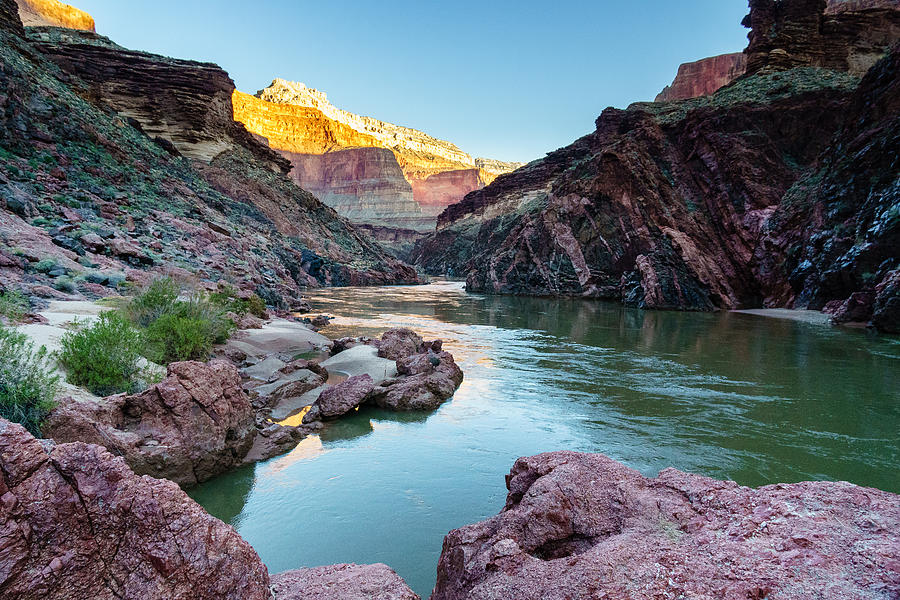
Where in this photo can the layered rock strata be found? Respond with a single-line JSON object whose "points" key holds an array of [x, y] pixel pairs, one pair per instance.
{"points": [[775, 191], [315, 136], [194, 425], [110, 198], [54, 13], [584, 526], [703, 77]]}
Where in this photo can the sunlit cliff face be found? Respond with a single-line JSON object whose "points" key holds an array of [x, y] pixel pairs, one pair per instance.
{"points": [[411, 184], [55, 14]]}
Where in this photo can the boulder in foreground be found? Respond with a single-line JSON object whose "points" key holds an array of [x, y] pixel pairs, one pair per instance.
{"points": [[195, 424], [342, 582], [77, 523], [584, 526]]}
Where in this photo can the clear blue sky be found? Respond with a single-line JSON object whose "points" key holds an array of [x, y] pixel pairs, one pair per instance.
{"points": [[504, 79]]}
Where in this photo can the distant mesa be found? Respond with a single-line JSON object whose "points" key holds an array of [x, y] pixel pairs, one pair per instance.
{"points": [[53, 13], [370, 171], [703, 77]]}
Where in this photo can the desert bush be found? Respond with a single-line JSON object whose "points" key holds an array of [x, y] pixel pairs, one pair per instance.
{"points": [[158, 299], [227, 298], [176, 329], [13, 305], [103, 357], [27, 381]]}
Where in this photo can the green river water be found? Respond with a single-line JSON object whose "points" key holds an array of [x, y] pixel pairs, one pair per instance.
{"points": [[733, 396]]}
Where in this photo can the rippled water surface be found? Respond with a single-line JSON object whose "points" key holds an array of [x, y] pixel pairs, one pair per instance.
{"points": [[733, 396]]}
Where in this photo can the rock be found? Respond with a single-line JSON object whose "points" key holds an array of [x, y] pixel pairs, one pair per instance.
{"points": [[342, 582], [294, 384], [340, 399], [685, 206], [855, 309], [194, 425], [398, 343], [53, 13], [584, 526], [267, 370], [886, 311], [368, 170], [362, 359], [78, 523], [320, 321], [431, 379], [704, 77], [301, 363]]}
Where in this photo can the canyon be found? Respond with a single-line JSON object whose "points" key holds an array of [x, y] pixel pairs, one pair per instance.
{"points": [[53, 13], [370, 171], [148, 173], [749, 197]]}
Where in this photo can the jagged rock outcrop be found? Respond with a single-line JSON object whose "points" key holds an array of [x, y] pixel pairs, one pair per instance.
{"points": [[703, 77], [54, 13], [778, 190], [184, 102], [78, 523], [107, 193], [307, 129], [195, 424], [799, 33], [584, 526], [9, 17]]}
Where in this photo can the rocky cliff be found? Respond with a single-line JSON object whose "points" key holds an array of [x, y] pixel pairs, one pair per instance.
{"points": [[297, 120], [696, 204], [584, 526], [704, 77], [114, 164], [54, 13]]}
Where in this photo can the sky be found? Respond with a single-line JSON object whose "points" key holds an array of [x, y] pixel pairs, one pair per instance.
{"points": [[503, 79]]}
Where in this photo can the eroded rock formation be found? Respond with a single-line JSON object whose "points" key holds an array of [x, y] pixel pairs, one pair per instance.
{"points": [[584, 526], [194, 425], [778, 190], [111, 195], [54, 13], [704, 77], [78, 523], [315, 136]]}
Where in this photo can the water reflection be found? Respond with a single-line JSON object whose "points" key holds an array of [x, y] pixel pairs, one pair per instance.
{"points": [[728, 395]]}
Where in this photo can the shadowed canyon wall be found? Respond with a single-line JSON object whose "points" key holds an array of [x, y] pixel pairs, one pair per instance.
{"points": [[779, 190]]}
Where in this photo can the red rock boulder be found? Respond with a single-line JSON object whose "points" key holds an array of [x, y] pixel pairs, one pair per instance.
{"points": [[398, 343], [342, 582], [195, 424], [340, 399], [427, 380], [77, 523], [584, 526]]}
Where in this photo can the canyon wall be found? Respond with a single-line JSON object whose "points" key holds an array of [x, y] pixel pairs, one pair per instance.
{"points": [[54, 13], [778, 190], [307, 129], [120, 166], [704, 77]]}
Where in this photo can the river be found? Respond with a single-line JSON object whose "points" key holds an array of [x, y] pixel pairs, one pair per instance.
{"points": [[732, 396]]}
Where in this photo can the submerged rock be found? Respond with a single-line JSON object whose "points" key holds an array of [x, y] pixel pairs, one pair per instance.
{"points": [[342, 582], [78, 523], [584, 526], [195, 424]]}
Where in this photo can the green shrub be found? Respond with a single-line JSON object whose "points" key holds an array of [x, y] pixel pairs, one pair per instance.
{"points": [[158, 299], [64, 284], [27, 381], [44, 266], [103, 357], [173, 338], [13, 305], [227, 298], [174, 329]]}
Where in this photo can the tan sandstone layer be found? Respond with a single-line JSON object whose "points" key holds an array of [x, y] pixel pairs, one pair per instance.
{"points": [[55, 14]]}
